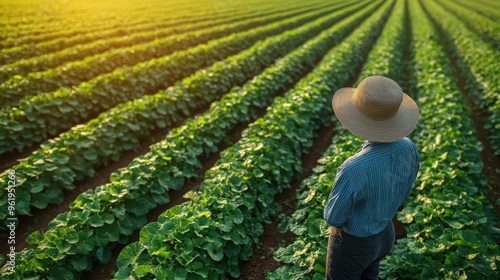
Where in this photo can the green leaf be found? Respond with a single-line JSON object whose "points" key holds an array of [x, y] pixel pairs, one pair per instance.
{"points": [[36, 186], [165, 180], [258, 173], [454, 224], [129, 255], [54, 254], [60, 159], [16, 127], [96, 221], [101, 237], [80, 264], [72, 237], [124, 273], [180, 273], [85, 246], [314, 230], [428, 273], [108, 218], [148, 232], [103, 255], [188, 245], [84, 143], [90, 155], [133, 127], [215, 252], [83, 215], [236, 215], [58, 273], [35, 238], [198, 268], [113, 233], [40, 201], [142, 270], [23, 199]]}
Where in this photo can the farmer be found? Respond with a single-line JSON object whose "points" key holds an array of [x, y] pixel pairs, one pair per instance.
{"points": [[371, 185]]}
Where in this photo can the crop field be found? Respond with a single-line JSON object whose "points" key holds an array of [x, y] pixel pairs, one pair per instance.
{"points": [[192, 139]]}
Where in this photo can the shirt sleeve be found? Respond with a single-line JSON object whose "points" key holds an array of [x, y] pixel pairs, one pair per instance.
{"points": [[340, 201], [414, 163]]}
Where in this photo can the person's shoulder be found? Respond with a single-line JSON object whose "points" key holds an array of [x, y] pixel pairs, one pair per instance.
{"points": [[405, 142], [358, 161], [407, 146]]}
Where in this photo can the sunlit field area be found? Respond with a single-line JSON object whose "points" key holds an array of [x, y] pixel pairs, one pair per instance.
{"points": [[168, 139]]}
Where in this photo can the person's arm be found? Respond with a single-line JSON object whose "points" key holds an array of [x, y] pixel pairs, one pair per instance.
{"points": [[414, 164], [340, 201]]}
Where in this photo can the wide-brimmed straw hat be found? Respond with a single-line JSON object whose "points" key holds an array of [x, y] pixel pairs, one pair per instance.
{"points": [[377, 110]]}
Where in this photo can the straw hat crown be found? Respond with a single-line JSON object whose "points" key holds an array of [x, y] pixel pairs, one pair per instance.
{"points": [[377, 110]]}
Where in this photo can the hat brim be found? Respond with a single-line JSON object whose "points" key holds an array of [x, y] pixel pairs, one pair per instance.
{"points": [[389, 130]]}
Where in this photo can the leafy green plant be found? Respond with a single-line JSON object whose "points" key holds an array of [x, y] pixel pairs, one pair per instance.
{"points": [[488, 29], [74, 155], [39, 117], [30, 30], [74, 73], [483, 8], [451, 231], [450, 235], [51, 53], [100, 219], [476, 60], [207, 236], [305, 257]]}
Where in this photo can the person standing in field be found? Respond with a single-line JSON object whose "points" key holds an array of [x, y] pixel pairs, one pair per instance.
{"points": [[371, 185]]}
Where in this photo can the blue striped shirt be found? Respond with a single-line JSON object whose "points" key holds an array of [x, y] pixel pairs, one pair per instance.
{"points": [[371, 185]]}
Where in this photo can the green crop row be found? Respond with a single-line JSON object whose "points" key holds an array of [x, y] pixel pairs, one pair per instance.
{"points": [[305, 257], [75, 154], [46, 115], [75, 72], [492, 4], [478, 62], [447, 213], [39, 57], [38, 30], [148, 178], [208, 236], [452, 233], [30, 30], [481, 8], [43, 56], [487, 28], [26, 51]]}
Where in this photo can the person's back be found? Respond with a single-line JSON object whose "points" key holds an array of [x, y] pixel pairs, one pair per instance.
{"points": [[380, 178], [370, 186]]}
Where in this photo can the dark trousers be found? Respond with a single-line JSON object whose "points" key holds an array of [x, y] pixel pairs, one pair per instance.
{"points": [[351, 257]]}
